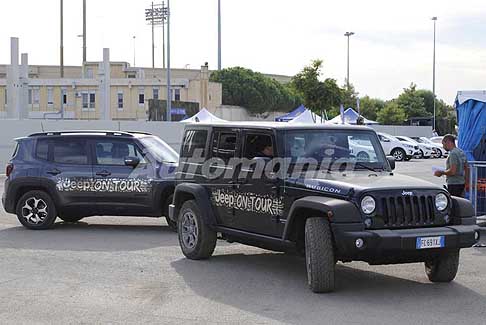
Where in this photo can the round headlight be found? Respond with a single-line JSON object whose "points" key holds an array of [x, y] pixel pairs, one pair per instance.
{"points": [[441, 202], [368, 204]]}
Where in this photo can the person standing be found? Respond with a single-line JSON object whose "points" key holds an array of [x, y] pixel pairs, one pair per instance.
{"points": [[455, 167]]}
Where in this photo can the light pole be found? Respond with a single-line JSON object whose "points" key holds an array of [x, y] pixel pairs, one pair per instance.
{"points": [[84, 31], [219, 34], [348, 34], [134, 49], [169, 93], [434, 19]]}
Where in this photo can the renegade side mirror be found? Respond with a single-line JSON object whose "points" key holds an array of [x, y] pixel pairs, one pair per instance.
{"points": [[132, 161], [391, 161]]}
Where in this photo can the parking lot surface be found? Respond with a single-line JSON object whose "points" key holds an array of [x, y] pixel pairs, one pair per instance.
{"points": [[131, 270]]}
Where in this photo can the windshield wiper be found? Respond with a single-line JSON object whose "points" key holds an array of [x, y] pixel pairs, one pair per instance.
{"points": [[366, 167]]}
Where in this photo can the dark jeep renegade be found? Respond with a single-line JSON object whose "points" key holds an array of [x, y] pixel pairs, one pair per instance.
{"points": [[325, 191], [76, 174]]}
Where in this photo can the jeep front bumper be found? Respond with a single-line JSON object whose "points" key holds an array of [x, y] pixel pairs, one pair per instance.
{"points": [[387, 242]]}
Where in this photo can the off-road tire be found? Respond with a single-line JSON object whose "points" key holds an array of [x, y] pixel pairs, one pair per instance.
{"points": [[319, 255], [172, 224], [70, 219], [443, 268], [205, 239], [29, 199], [395, 153]]}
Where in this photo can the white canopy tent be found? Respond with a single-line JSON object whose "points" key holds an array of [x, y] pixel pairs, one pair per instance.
{"points": [[308, 117], [203, 116]]}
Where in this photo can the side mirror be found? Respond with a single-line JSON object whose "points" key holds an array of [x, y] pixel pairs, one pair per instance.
{"points": [[391, 161], [132, 161]]}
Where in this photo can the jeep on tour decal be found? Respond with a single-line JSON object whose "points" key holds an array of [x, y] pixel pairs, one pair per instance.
{"points": [[120, 185], [250, 202]]}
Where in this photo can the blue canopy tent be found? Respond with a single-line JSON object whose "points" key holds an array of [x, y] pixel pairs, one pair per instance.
{"points": [[471, 118], [291, 115], [350, 117]]}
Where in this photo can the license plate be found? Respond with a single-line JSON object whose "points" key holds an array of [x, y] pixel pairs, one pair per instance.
{"points": [[430, 242]]}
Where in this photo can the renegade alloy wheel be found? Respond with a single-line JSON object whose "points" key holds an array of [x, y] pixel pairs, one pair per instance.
{"points": [[196, 239], [35, 210]]}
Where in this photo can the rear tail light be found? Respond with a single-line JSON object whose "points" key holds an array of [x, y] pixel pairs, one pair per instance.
{"points": [[9, 169]]}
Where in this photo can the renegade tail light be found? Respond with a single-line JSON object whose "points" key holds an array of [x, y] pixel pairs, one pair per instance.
{"points": [[9, 169]]}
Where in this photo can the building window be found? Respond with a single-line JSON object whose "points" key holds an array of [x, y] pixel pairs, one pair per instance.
{"points": [[155, 93], [89, 73], [30, 96], [177, 94], [35, 96], [88, 101], [64, 96], [6, 100], [141, 97], [50, 96], [120, 100]]}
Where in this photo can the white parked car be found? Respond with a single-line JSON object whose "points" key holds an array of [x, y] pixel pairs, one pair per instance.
{"points": [[425, 150], [362, 152], [438, 148], [399, 150]]}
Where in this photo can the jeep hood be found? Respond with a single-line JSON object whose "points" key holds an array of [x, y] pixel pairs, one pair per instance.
{"points": [[342, 183]]}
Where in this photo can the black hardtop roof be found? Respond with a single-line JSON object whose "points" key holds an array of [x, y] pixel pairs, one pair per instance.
{"points": [[278, 126], [130, 134]]}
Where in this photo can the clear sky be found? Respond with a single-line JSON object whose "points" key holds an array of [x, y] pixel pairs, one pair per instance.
{"points": [[391, 48]]}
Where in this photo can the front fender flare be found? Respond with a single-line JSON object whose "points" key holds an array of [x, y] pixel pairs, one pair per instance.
{"points": [[343, 211]]}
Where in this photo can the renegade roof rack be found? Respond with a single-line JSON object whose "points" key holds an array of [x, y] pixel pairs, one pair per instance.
{"points": [[120, 133], [139, 132]]}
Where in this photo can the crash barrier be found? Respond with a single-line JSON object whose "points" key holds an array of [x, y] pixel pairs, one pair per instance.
{"points": [[476, 186]]}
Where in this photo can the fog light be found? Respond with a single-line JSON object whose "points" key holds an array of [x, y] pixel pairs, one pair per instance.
{"points": [[368, 222], [359, 243], [476, 235]]}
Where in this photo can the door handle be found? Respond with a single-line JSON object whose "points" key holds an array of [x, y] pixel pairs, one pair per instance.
{"points": [[103, 173], [54, 172]]}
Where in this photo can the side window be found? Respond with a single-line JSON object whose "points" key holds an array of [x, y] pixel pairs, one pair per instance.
{"points": [[70, 151], [114, 152], [41, 150], [194, 143], [258, 145], [224, 145]]}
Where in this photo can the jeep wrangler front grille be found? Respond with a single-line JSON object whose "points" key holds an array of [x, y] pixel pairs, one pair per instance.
{"points": [[408, 211]]}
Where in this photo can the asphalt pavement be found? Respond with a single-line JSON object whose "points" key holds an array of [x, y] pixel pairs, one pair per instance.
{"points": [[131, 270]]}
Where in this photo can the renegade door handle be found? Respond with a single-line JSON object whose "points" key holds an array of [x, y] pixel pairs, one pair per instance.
{"points": [[103, 173], [54, 172]]}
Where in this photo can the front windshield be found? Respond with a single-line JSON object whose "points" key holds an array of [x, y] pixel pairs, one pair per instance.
{"points": [[355, 149], [159, 149]]}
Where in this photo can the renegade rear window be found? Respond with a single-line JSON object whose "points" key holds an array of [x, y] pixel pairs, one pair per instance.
{"points": [[70, 151], [42, 149]]}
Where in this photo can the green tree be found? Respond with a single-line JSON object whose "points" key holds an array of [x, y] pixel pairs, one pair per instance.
{"points": [[391, 114], [411, 102], [350, 96], [254, 91], [317, 95], [369, 107]]}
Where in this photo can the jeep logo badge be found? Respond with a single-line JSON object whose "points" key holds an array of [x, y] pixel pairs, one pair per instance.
{"points": [[405, 193]]}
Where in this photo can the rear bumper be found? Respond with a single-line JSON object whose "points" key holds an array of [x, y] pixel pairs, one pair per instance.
{"points": [[383, 243]]}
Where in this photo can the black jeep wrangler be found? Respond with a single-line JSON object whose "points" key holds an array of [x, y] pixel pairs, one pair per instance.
{"points": [[76, 174], [325, 191]]}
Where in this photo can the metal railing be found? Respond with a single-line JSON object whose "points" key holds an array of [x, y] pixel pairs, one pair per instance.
{"points": [[476, 188]]}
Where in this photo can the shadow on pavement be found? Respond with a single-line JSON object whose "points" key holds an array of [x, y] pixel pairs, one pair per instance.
{"points": [[82, 236], [251, 283]]}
